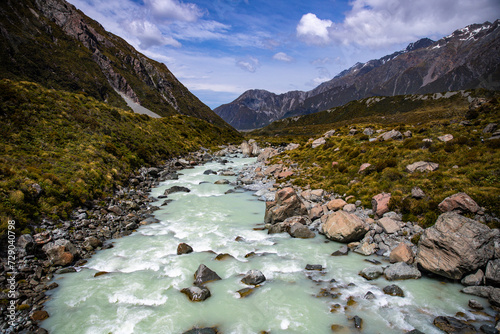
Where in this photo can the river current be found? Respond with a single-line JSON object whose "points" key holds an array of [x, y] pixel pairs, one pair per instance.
{"points": [[141, 292]]}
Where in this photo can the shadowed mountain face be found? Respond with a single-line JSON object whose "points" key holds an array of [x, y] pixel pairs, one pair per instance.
{"points": [[467, 59], [56, 45]]}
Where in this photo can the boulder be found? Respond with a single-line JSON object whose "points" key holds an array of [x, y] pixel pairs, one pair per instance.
{"points": [[184, 248], [492, 273], [460, 202], [316, 212], [207, 330], [329, 134], [371, 273], [393, 134], [402, 253], [26, 243], [176, 189], [60, 252], [364, 167], [474, 279], [204, 274], [222, 181], [246, 149], [318, 267], [453, 325], [344, 250], [476, 305], [344, 227], [91, 243], [366, 248], [446, 138], [455, 246], [388, 225], [422, 166], [253, 277], [197, 293], [492, 293], [417, 193], [297, 230], [393, 290], [286, 204], [318, 142], [336, 204], [380, 204], [349, 208], [368, 131], [400, 271], [267, 153], [490, 128]]}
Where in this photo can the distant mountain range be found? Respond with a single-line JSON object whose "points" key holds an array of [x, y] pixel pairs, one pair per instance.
{"points": [[52, 43], [468, 58]]}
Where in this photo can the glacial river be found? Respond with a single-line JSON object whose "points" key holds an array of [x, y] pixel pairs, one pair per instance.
{"points": [[141, 292]]}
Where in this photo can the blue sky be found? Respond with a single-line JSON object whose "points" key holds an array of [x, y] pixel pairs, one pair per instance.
{"points": [[219, 49]]}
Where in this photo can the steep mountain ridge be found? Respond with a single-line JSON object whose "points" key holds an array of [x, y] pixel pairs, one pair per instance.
{"points": [[53, 43], [466, 59]]}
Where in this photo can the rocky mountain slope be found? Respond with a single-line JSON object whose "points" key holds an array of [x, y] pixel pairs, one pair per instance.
{"points": [[52, 43], [468, 58]]}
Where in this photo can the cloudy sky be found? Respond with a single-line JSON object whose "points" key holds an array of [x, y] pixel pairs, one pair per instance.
{"points": [[221, 48]]}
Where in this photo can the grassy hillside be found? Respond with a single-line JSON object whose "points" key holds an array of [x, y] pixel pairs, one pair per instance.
{"points": [[77, 148], [469, 163]]}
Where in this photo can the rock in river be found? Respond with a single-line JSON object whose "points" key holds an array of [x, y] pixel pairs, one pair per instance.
{"points": [[253, 277], [453, 325], [401, 270], [204, 275], [393, 290], [196, 293], [184, 248]]}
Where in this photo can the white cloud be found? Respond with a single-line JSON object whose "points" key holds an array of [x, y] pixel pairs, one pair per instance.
{"points": [[281, 56], [174, 10], [377, 23], [313, 30], [149, 34], [249, 64]]}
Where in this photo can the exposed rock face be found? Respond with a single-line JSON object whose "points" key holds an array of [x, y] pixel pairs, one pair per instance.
{"points": [[380, 204], [422, 166], [455, 246], [60, 252], [253, 277], [401, 270], [287, 204], [204, 275], [344, 227], [460, 203]]}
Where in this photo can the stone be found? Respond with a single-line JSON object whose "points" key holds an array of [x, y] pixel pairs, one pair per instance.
{"points": [[369, 296], [298, 230], [455, 246], [245, 292], [490, 292], [60, 252], [26, 243], [490, 128], [349, 208], [316, 212], [371, 273], [336, 204], [401, 271], [446, 138], [475, 305], [460, 202], [368, 131], [197, 293], [393, 134], [366, 248], [222, 181], [358, 322], [352, 132], [474, 279], [344, 250], [176, 189], [184, 248], [388, 225], [116, 210], [246, 149], [407, 134], [344, 227], [253, 277], [364, 167], [285, 174], [286, 204], [329, 134], [267, 153], [92, 243], [422, 166], [492, 273], [417, 193], [380, 204], [204, 274], [402, 253], [488, 329], [393, 290], [318, 142], [453, 325], [314, 267], [39, 315]]}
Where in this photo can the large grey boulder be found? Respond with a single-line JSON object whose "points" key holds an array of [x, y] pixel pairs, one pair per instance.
{"points": [[286, 204], [204, 274], [400, 271], [297, 230], [393, 134], [455, 246], [344, 227], [253, 277]]}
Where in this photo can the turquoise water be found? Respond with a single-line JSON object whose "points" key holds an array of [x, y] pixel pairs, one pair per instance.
{"points": [[141, 293]]}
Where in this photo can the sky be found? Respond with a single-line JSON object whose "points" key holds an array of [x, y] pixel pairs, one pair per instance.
{"points": [[220, 48]]}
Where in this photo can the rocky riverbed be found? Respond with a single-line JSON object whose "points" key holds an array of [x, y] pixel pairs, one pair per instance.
{"points": [[456, 248]]}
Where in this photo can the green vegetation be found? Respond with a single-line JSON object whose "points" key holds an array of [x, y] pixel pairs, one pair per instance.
{"points": [[466, 163], [77, 148]]}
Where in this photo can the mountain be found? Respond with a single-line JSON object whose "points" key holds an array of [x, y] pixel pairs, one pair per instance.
{"points": [[468, 58], [52, 43]]}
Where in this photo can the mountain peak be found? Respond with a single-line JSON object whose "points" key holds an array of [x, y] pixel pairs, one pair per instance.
{"points": [[420, 44]]}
